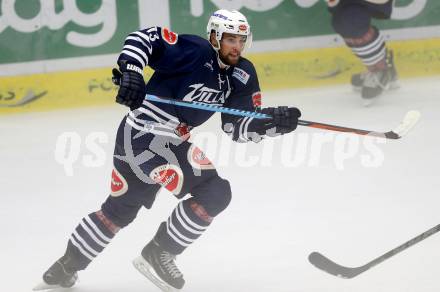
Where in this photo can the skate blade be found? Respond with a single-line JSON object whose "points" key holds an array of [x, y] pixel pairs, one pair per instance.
{"points": [[44, 286], [356, 88], [394, 85], [147, 270], [366, 102]]}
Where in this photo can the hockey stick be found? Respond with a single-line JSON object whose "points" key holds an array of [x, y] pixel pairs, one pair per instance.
{"points": [[207, 107], [410, 119], [323, 263]]}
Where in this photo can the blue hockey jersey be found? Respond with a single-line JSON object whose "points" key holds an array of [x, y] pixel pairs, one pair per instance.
{"points": [[186, 68]]}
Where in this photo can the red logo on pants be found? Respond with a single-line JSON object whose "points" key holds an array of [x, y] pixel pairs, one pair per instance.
{"points": [[118, 185], [168, 176], [198, 159]]}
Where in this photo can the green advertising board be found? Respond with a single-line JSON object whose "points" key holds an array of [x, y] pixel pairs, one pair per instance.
{"points": [[32, 30], [59, 53], [37, 30], [280, 19]]}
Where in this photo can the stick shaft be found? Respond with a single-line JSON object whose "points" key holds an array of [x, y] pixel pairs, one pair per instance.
{"points": [[207, 107], [237, 112], [323, 263], [405, 245]]}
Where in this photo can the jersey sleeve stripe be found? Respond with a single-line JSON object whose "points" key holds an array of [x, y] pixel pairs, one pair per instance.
{"points": [[138, 51], [145, 40], [138, 42], [134, 56]]}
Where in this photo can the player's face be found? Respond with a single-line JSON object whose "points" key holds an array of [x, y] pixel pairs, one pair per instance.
{"points": [[231, 47]]}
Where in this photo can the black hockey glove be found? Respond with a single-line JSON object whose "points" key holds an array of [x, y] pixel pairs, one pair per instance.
{"points": [[285, 119], [131, 83]]}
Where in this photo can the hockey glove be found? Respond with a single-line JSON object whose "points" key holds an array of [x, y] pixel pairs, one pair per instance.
{"points": [[131, 83], [285, 119]]}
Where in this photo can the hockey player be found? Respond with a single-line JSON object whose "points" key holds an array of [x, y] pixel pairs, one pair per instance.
{"points": [[152, 150], [352, 20]]}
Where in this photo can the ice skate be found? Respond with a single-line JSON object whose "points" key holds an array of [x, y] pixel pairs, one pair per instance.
{"points": [[159, 267], [372, 83], [57, 276]]}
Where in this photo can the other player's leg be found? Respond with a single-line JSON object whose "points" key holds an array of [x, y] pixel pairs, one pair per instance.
{"points": [[353, 22]]}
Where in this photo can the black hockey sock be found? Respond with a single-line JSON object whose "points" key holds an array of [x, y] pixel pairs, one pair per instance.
{"points": [[186, 223], [370, 49], [89, 238]]}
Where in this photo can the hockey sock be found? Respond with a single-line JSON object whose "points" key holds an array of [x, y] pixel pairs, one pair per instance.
{"points": [[186, 223], [370, 49], [89, 238]]}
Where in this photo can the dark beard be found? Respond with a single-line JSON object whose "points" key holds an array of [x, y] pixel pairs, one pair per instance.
{"points": [[226, 61]]}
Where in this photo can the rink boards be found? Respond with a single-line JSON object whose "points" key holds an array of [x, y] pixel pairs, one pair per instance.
{"points": [[276, 70]]}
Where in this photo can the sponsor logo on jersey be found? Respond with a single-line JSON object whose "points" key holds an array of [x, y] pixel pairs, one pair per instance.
{"points": [[207, 95], [198, 159], [241, 75], [118, 185], [168, 176], [169, 36], [256, 99]]}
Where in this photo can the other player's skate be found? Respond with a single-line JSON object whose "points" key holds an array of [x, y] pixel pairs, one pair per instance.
{"points": [[159, 267], [58, 276], [373, 83]]}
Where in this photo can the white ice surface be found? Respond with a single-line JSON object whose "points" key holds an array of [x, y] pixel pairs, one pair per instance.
{"points": [[278, 215]]}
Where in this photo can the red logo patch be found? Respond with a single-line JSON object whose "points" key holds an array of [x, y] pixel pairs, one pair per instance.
{"points": [[118, 184], [169, 36], [200, 211], [242, 27], [168, 176], [182, 131], [256, 99], [198, 159]]}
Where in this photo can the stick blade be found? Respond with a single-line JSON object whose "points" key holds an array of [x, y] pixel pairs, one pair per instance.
{"points": [[325, 264], [409, 121], [43, 286]]}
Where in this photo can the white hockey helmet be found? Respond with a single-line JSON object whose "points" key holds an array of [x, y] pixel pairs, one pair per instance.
{"points": [[225, 21]]}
